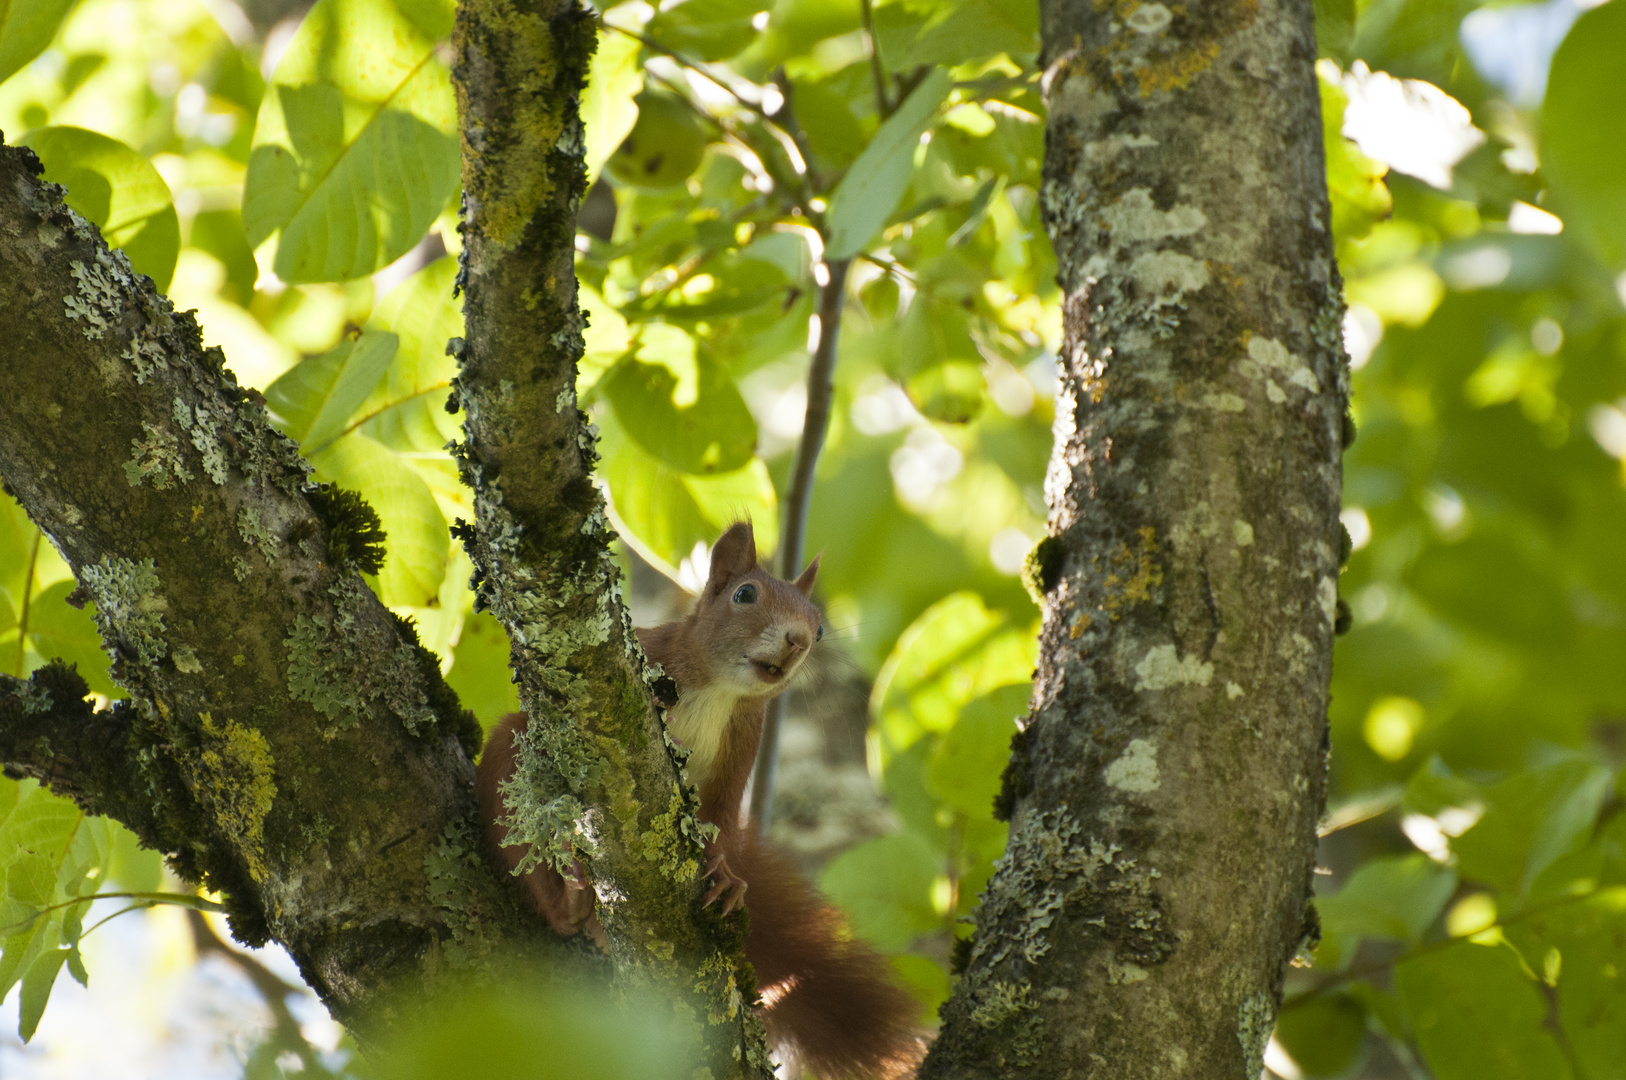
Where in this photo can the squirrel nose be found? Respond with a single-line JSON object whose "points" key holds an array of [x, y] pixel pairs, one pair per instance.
{"points": [[797, 639]]}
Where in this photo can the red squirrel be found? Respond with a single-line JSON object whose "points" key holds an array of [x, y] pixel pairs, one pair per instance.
{"points": [[829, 1002]]}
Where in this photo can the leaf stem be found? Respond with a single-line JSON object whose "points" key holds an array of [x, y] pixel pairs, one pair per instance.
{"points": [[28, 597], [197, 903], [815, 424], [285, 1030], [877, 72], [1343, 977]]}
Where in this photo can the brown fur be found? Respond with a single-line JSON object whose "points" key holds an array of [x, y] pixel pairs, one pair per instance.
{"points": [[830, 1002]]}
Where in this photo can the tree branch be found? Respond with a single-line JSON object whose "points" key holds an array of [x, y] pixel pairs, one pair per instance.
{"points": [[815, 425], [599, 782], [288, 741]]}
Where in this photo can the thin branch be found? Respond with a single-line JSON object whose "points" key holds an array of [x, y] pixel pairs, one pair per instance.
{"points": [[877, 72], [787, 135], [820, 391], [147, 899], [285, 1030], [1343, 977], [28, 596]]}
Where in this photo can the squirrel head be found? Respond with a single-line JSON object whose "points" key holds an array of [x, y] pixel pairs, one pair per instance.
{"points": [[755, 629]]}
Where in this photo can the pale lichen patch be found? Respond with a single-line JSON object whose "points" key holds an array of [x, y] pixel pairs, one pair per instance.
{"points": [[1135, 218], [129, 609], [1327, 593], [1233, 690], [157, 459], [1162, 668], [1149, 19], [1136, 769], [1267, 356], [1242, 532]]}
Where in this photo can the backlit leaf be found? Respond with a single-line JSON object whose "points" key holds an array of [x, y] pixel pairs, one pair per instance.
{"points": [[116, 189], [355, 150]]}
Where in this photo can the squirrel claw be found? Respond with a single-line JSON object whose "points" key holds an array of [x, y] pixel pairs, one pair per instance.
{"points": [[726, 885]]}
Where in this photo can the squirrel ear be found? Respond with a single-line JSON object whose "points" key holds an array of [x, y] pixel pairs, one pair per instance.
{"points": [[804, 583], [734, 553]]}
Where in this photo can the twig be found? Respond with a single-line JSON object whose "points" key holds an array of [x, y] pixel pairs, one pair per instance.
{"points": [[1341, 978], [820, 390], [877, 73], [28, 595], [699, 69], [284, 1028]]}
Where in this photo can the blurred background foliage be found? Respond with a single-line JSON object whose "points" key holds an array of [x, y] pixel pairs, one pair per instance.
{"points": [[304, 204]]}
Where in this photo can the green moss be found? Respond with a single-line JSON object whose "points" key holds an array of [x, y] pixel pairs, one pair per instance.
{"points": [[671, 836], [232, 778], [355, 535], [1042, 568]]}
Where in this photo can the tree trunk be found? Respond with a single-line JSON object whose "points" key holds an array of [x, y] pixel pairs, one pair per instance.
{"points": [[288, 742], [1164, 791]]}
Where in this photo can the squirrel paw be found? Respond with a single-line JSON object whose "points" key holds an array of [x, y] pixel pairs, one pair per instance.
{"points": [[725, 885]]}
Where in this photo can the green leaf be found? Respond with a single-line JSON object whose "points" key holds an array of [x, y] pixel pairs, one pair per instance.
{"points": [[415, 560], [364, 365], [1324, 1035], [116, 189], [608, 109], [1477, 1016], [681, 405], [885, 884], [64, 632], [964, 771], [407, 410], [37, 990], [1583, 127], [707, 29], [950, 393], [870, 190], [955, 652], [355, 149], [1531, 820], [833, 132], [26, 28], [1395, 898], [971, 30], [663, 513], [480, 672], [31, 878], [1591, 963]]}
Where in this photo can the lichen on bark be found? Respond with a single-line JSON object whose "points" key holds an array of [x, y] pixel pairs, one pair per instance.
{"points": [[595, 770], [1164, 790]]}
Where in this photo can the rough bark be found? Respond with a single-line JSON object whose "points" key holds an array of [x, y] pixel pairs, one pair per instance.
{"points": [[595, 779], [288, 742], [1164, 791]]}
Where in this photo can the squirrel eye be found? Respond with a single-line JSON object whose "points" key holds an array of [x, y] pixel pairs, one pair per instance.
{"points": [[820, 635], [745, 594]]}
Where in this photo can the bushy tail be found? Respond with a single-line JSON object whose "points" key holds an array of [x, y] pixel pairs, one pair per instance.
{"points": [[831, 1002]]}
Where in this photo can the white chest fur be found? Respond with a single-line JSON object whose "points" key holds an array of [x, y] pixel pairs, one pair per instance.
{"points": [[698, 724]]}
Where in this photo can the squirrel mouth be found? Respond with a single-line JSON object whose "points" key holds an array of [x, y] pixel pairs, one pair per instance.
{"points": [[767, 672]]}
